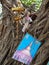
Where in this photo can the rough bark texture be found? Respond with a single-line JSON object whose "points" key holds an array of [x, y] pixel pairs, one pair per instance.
{"points": [[11, 35]]}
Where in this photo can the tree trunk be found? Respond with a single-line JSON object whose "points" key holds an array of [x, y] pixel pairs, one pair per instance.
{"points": [[11, 34]]}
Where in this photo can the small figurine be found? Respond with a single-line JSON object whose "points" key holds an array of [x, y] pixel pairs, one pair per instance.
{"points": [[30, 17], [27, 22]]}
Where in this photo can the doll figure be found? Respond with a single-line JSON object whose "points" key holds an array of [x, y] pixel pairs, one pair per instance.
{"points": [[27, 21]]}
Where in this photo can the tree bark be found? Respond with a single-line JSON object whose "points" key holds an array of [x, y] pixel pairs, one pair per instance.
{"points": [[11, 34]]}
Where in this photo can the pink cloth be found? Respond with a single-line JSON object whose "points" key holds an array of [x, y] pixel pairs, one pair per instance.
{"points": [[28, 18]]}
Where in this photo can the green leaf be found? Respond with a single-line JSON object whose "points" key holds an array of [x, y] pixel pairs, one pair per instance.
{"points": [[29, 2]]}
